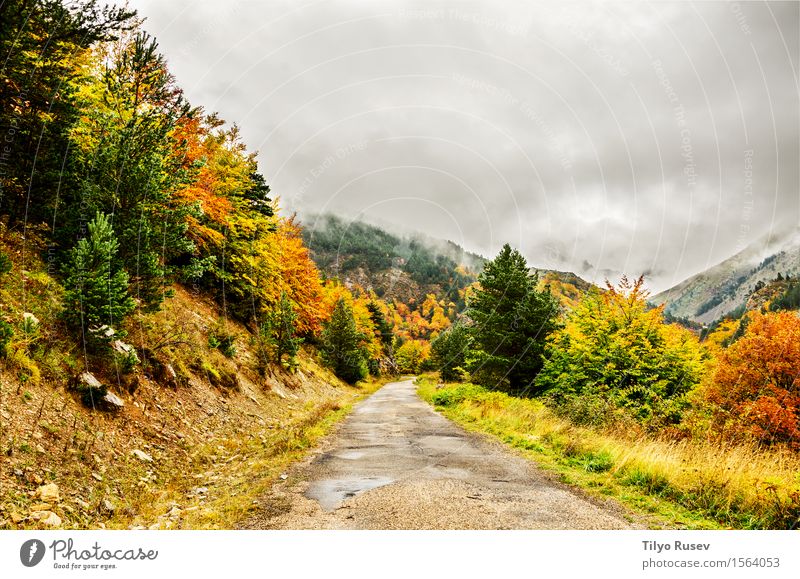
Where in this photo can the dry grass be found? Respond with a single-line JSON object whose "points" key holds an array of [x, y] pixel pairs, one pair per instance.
{"points": [[693, 483]]}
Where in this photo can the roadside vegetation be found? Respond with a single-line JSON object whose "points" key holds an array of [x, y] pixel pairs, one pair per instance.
{"points": [[681, 483], [618, 399]]}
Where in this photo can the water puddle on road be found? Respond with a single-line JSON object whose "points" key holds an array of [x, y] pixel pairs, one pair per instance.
{"points": [[330, 492]]}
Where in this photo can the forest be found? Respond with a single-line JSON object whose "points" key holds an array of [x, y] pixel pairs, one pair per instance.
{"points": [[611, 389], [118, 196]]}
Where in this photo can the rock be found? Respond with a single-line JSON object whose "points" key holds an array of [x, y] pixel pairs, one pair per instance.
{"points": [[199, 490], [103, 332], [108, 506], [82, 504], [175, 512], [40, 449], [87, 381], [122, 348], [47, 518], [171, 375], [49, 493], [97, 476], [111, 402], [154, 527], [284, 476], [143, 456]]}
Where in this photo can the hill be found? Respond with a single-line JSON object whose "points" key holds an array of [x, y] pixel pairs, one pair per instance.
{"points": [[408, 268], [400, 268], [711, 294]]}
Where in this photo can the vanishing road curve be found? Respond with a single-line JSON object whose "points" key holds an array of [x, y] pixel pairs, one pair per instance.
{"points": [[395, 463]]}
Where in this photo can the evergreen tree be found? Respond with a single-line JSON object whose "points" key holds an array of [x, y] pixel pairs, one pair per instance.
{"points": [[449, 352], [126, 161], [511, 321], [341, 345], [280, 329], [383, 327], [96, 285]]}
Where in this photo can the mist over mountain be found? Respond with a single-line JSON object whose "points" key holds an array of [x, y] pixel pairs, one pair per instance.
{"points": [[721, 289]]}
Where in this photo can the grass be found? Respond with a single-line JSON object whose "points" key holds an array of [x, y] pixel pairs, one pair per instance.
{"points": [[697, 484]]}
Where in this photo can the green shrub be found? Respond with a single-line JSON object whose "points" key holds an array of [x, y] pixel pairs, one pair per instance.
{"points": [[223, 341], [452, 395], [5, 264], [6, 333], [598, 461]]}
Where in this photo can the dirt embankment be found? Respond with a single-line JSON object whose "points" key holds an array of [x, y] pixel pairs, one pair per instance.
{"points": [[185, 456]]}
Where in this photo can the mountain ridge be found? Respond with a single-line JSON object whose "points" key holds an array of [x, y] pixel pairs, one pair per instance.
{"points": [[720, 289]]}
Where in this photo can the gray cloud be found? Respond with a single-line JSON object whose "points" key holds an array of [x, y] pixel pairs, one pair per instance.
{"points": [[613, 135]]}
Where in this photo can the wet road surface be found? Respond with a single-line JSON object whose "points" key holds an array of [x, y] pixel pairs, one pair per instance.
{"points": [[395, 463]]}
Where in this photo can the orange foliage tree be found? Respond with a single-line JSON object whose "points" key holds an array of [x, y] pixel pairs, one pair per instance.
{"points": [[755, 389]]}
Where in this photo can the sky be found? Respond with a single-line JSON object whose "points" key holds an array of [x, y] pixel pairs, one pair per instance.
{"points": [[602, 138]]}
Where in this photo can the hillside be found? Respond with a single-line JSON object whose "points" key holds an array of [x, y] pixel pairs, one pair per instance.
{"points": [[402, 268], [407, 268], [189, 448], [721, 289]]}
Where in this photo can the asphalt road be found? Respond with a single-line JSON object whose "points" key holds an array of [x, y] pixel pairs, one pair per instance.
{"points": [[395, 463]]}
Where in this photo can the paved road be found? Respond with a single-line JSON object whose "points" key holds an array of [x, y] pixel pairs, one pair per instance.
{"points": [[395, 463]]}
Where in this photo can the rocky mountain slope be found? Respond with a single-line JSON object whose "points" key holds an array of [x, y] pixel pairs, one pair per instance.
{"points": [[719, 290]]}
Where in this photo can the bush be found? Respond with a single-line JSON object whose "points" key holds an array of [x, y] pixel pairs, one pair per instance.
{"points": [[6, 333], [222, 340], [5, 264], [452, 395], [616, 352]]}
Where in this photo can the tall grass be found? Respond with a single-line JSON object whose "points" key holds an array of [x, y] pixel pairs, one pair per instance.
{"points": [[718, 484]]}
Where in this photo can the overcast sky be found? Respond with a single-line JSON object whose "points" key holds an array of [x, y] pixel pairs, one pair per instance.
{"points": [[600, 138]]}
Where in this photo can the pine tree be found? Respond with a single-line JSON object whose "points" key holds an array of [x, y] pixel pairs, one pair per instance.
{"points": [[449, 351], [96, 285], [511, 321], [280, 329], [341, 345]]}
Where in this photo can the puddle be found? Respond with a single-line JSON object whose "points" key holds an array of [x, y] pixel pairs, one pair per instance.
{"points": [[330, 492], [350, 455]]}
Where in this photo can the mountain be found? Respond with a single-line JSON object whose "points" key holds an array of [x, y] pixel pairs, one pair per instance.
{"points": [[408, 267], [721, 289], [403, 268]]}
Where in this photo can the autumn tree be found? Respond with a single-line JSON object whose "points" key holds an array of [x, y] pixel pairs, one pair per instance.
{"points": [[122, 156], [511, 319], [755, 389], [616, 348], [411, 356], [43, 45]]}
